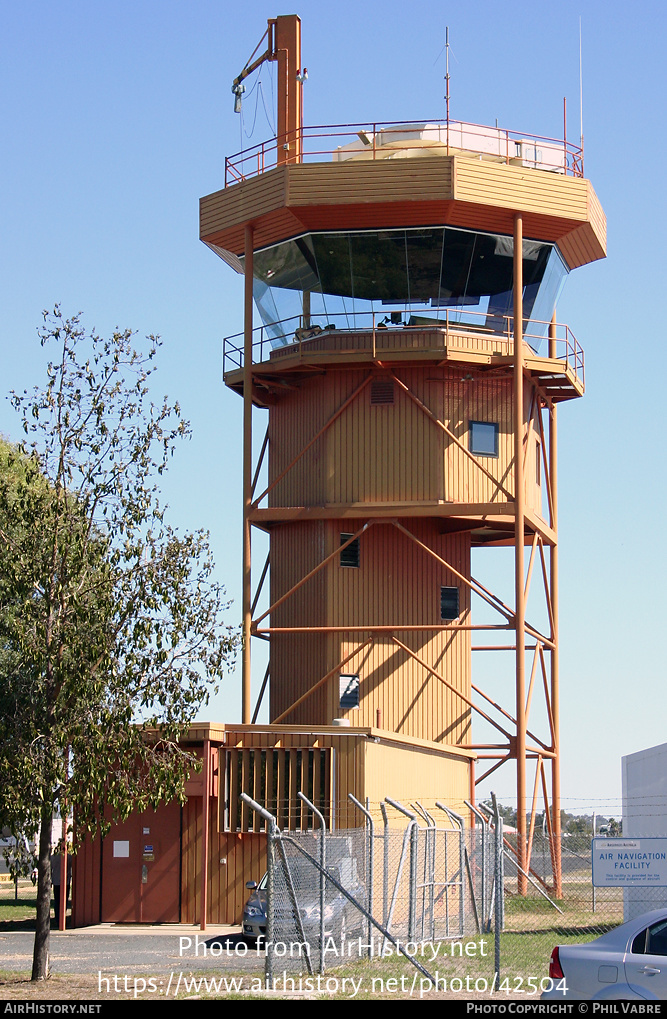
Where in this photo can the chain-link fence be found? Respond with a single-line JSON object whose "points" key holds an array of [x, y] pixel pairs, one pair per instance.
{"points": [[429, 890], [336, 896]]}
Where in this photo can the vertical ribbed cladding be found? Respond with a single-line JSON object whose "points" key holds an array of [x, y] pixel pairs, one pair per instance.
{"points": [[390, 453], [298, 659], [534, 482], [245, 861], [395, 456], [398, 584], [437, 775]]}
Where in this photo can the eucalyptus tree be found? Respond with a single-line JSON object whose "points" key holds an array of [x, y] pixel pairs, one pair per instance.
{"points": [[111, 623]]}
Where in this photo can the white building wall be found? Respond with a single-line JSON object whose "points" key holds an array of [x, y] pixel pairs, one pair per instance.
{"points": [[644, 785]]}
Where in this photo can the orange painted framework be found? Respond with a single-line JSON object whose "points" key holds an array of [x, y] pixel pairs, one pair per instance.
{"points": [[563, 210]]}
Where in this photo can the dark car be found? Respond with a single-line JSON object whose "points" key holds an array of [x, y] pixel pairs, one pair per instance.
{"points": [[340, 916], [254, 911]]}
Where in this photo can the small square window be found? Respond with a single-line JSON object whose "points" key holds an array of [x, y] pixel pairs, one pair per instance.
{"points": [[484, 438], [350, 555], [349, 691], [449, 604]]}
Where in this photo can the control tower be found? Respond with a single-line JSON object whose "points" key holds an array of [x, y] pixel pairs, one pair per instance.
{"points": [[401, 283]]}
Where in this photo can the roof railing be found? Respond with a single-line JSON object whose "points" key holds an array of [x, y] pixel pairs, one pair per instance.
{"points": [[377, 140], [301, 336]]}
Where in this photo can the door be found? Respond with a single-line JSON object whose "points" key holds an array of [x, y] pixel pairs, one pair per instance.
{"points": [[141, 868]]}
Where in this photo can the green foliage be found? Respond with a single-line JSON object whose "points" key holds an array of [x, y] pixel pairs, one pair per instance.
{"points": [[111, 634]]}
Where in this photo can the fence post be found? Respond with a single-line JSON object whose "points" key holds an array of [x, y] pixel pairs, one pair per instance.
{"points": [[499, 899], [463, 862], [414, 834], [484, 823], [323, 865], [429, 870], [369, 873], [270, 903], [385, 866], [271, 836]]}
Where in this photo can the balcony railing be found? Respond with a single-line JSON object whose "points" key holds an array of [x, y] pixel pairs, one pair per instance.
{"points": [[378, 140], [356, 333]]}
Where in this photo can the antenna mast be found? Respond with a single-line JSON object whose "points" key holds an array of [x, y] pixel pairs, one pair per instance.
{"points": [[581, 98], [447, 81]]}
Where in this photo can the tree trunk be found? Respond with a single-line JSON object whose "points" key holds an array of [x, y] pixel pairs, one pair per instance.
{"points": [[40, 958]]}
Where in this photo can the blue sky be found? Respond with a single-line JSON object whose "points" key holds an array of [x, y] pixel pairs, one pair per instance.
{"points": [[117, 117]]}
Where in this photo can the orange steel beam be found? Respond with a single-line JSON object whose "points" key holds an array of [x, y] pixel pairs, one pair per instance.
{"points": [[519, 500], [529, 869], [440, 424], [492, 600], [284, 46], [508, 611], [287, 42], [261, 695], [490, 771], [498, 647], [503, 712], [531, 831], [547, 698], [541, 637], [504, 751], [547, 592], [532, 680], [526, 589], [529, 430], [547, 473], [469, 583], [247, 473], [259, 461], [450, 686], [554, 841], [540, 751], [312, 573], [554, 702], [321, 681], [312, 442], [261, 582]]}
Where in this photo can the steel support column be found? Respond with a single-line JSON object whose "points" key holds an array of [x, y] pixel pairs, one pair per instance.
{"points": [[247, 476], [520, 606], [553, 585]]}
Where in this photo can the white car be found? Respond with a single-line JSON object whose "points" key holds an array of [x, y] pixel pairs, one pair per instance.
{"points": [[628, 963]]}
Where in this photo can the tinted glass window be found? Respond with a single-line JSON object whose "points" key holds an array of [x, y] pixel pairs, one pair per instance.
{"points": [[656, 942], [449, 603], [484, 438], [349, 555]]}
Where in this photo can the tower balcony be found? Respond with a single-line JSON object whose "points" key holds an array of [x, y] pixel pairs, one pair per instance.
{"points": [[295, 347]]}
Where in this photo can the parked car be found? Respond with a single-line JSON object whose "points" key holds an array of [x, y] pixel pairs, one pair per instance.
{"points": [[340, 917], [628, 963], [254, 911]]}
